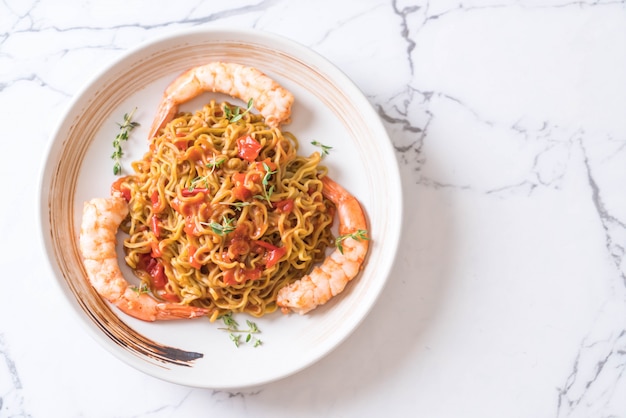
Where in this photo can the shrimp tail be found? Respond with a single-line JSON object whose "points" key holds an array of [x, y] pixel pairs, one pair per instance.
{"points": [[143, 306], [166, 311], [165, 113]]}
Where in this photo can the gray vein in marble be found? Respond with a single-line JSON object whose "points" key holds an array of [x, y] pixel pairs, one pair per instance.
{"points": [[339, 25], [11, 400], [232, 395], [403, 13], [10, 364], [166, 407], [405, 132], [601, 363], [32, 78], [609, 222], [462, 7], [408, 136], [261, 6]]}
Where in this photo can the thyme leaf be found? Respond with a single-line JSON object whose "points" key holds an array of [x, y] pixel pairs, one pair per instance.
{"points": [[141, 289], [359, 235], [222, 229], [235, 338], [197, 180], [213, 164], [325, 148], [125, 128], [229, 321], [268, 173], [235, 115], [267, 193]]}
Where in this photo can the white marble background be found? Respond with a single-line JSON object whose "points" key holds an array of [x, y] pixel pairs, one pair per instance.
{"points": [[508, 298]]}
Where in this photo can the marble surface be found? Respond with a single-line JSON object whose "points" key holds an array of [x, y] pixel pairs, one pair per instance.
{"points": [[508, 297]]}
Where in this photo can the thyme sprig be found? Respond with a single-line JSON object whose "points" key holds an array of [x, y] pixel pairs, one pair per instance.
{"points": [[359, 235], [125, 128], [198, 179], [213, 164], [325, 148], [234, 116], [222, 229], [235, 334], [267, 193]]}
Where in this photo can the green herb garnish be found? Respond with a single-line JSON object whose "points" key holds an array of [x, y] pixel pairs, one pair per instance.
{"points": [[360, 234], [141, 289], [213, 164], [235, 334], [325, 148], [267, 193], [125, 128], [222, 229], [197, 180], [234, 116]]}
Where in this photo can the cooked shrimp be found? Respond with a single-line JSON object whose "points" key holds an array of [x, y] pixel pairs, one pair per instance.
{"points": [[239, 81], [332, 276], [101, 219]]}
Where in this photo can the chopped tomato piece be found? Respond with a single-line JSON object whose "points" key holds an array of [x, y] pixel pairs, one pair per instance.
{"points": [[188, 207], [168, 296], [240, 191], [192, 257], [194, 153], [270, 164], [154, 199], [157, 273], [284, 206], [248, 148], [273, 254], [238, 242], [156, 251], [190, 226], [194, 191], [182, 143], [252, 274], [156, 226], [117, 187], [158, 276], [231, 276]]}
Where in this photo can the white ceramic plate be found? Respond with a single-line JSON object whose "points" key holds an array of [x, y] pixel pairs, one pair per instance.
{"points": [[328, 108]]}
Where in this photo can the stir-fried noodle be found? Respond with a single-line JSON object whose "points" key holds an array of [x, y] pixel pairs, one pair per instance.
{"points": [[224, 212]]}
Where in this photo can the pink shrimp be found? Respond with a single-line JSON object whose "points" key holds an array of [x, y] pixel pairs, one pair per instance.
{"points": [[245, 83], [101, 219], [341, 266]]}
